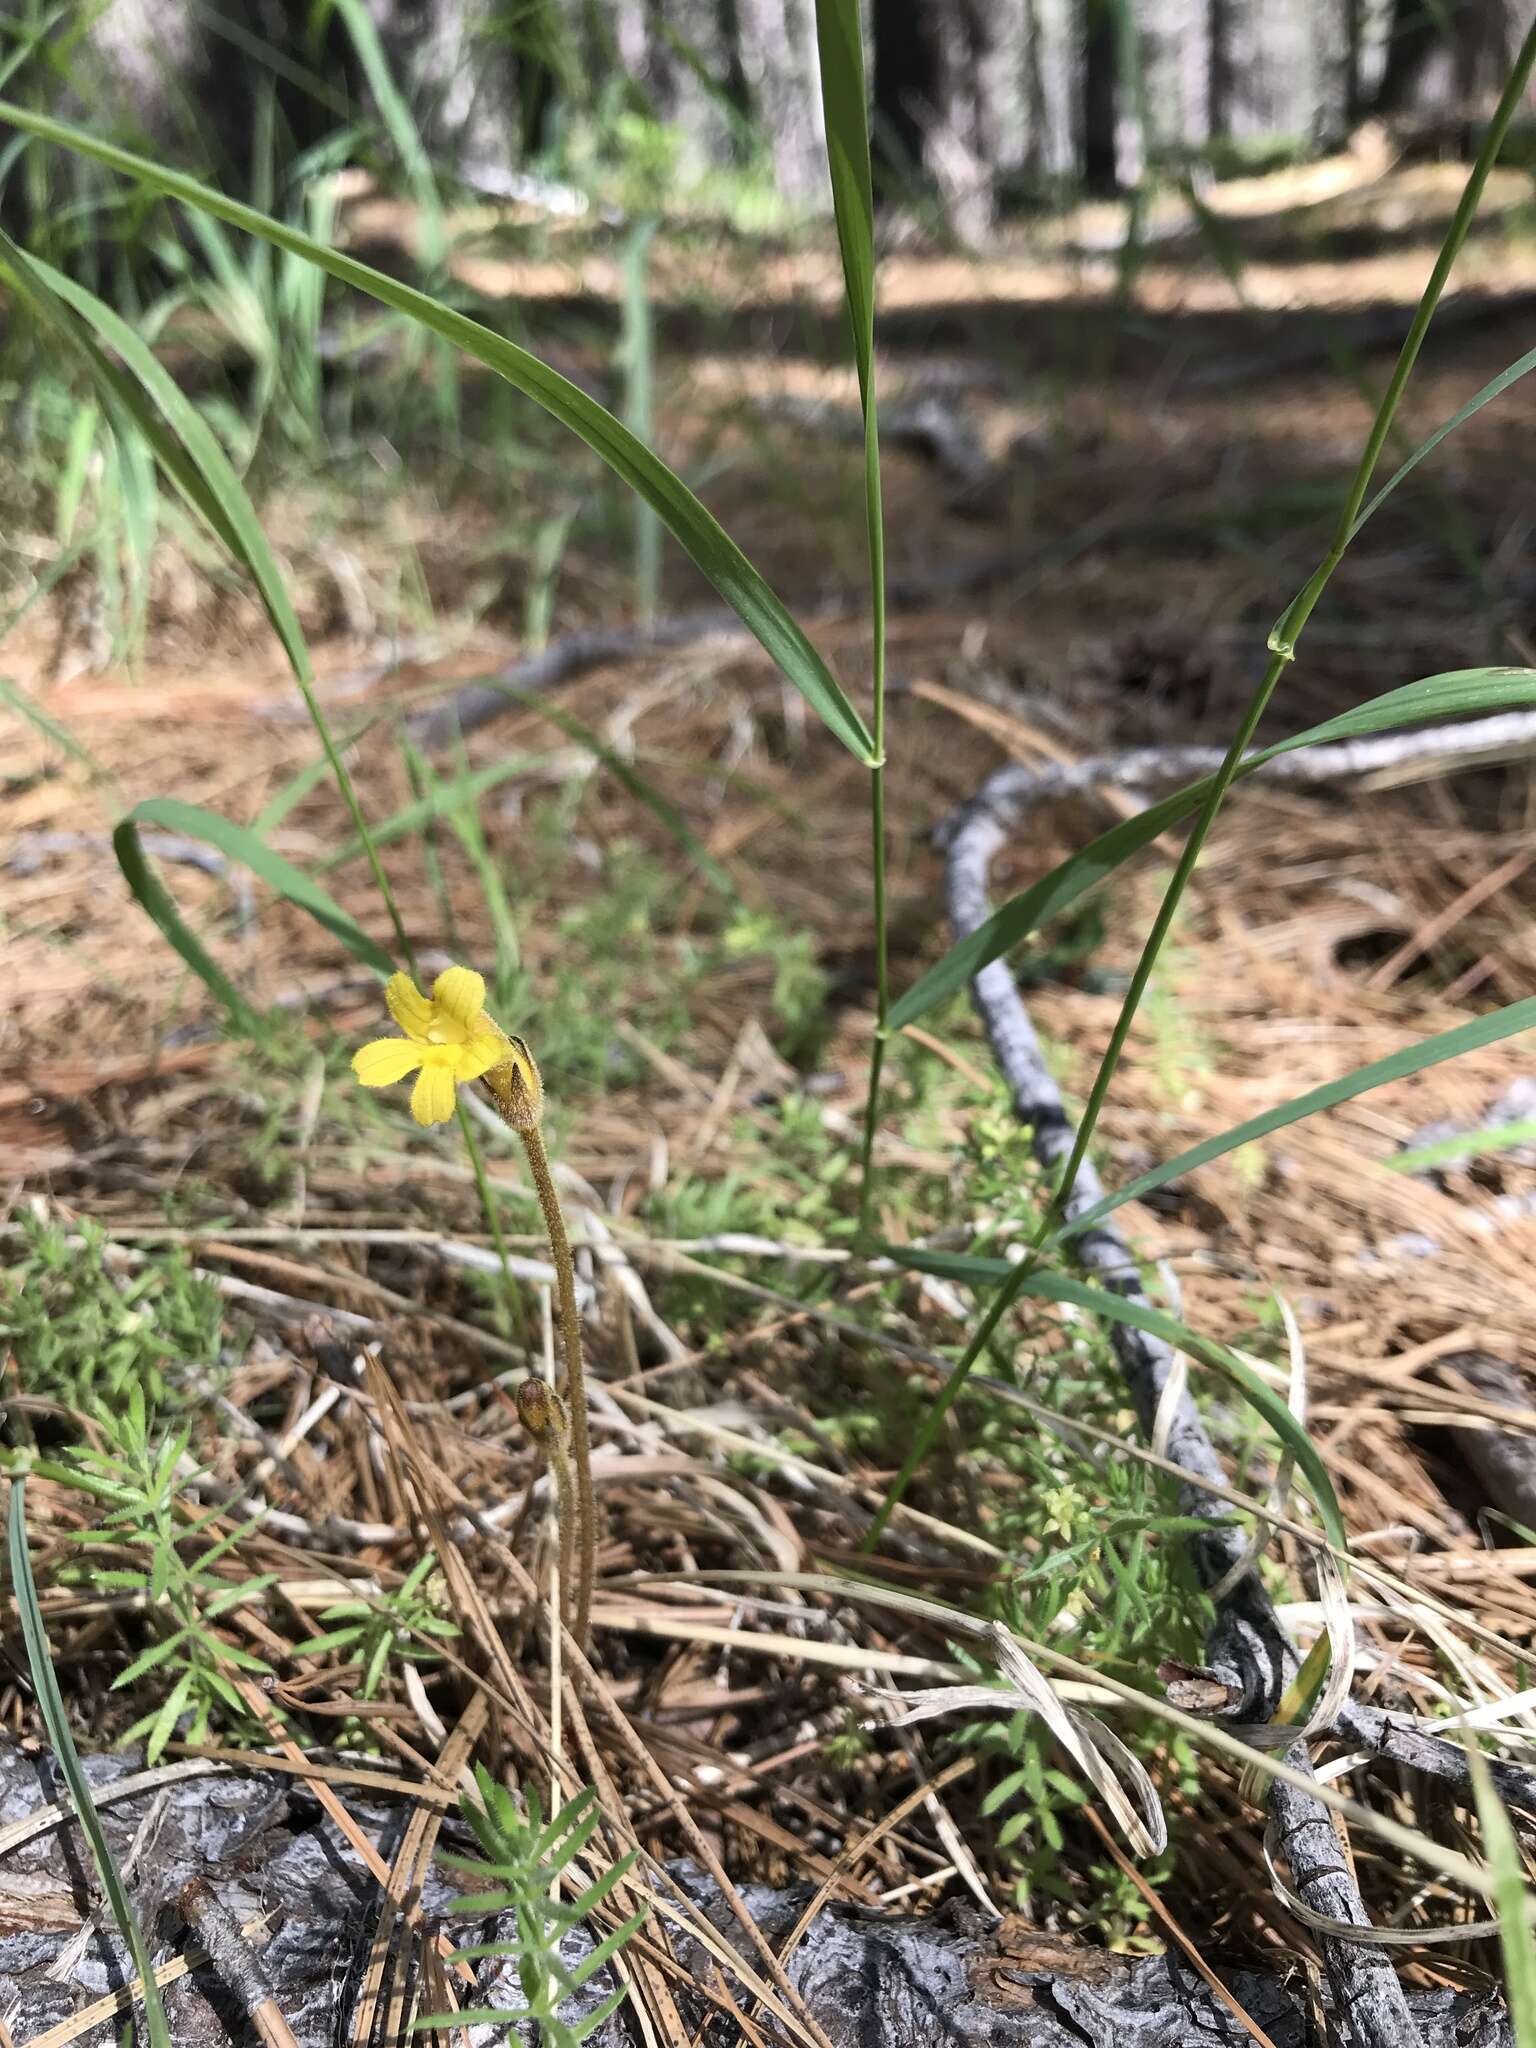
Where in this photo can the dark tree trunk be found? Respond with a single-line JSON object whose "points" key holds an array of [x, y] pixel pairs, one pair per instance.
{"points": [[1218, 74], [1447, 60], [906, 70], [1416, 31], [1481, 50], [1354, 102], [949, 79], [734, 84], [1101, 96]]}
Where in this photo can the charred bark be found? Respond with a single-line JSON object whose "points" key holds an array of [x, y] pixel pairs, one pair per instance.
{"points": [[251, 1860]]}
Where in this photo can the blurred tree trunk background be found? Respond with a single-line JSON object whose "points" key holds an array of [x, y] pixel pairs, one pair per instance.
{"points": [[980, 106]]}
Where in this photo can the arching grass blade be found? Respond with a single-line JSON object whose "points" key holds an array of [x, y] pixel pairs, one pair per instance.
{"points": [[705, 540], [238, 845], [1467, 693]]}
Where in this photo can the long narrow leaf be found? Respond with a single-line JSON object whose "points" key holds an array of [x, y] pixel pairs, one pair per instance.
{"points": [[185, 445], [308, 779], [845, 111], [1098, 1301], [393, 111], [1397, 1066], [239, 845], [51, 1702], [1460, 692], [441, 801], [157, 900], [16, 699], [1489, 392], [716, 554], [840, 47], [666, 813], [188, 451], [1512, 1899]]}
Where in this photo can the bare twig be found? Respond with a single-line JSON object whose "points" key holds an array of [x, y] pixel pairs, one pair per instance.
{"points": [[1007, 797]]}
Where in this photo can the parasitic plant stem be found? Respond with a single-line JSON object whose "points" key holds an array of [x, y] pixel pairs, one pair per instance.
{"points": [[543, 1414], [518, 1092]]}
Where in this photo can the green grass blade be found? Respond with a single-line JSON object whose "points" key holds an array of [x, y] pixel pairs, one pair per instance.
{"points": [[394, 113], [845, 109], [33, 38], [705, 540], [236, 844], [844, 100], [1412, 1060], [448, 794], [1285, 635], [1512, 1902], [161, 907], [308, 778], [638, 356], [50, 577], [1463, 1145], [189, 452], [51, 1703], [665, 812], [183, 443], [1489, 392], [73, 476], [18, 700], [1460, 692], [1156, 1322], [279, 62], [1397, 1066], [470, 833]]}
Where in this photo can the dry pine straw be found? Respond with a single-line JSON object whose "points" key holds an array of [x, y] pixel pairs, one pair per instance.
{"points": [[1262, 973], [1280, 966]]}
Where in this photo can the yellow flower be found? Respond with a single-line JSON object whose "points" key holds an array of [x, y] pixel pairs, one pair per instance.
{"points": [[449, 1038]]}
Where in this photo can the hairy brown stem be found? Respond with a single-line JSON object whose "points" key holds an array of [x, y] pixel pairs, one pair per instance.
{"points": [[545, 1417], [575, 1389], [518, 1092]]}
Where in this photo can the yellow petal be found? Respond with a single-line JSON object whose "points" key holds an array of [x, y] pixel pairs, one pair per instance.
{"points": [[385, 1061], [479, 1054], [432, 1097], [460, 994], [408, 1006]]}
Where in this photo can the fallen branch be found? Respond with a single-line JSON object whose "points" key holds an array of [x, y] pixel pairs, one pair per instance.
{"points": [[1249, 1651], [577, 654], [1008, 796]]}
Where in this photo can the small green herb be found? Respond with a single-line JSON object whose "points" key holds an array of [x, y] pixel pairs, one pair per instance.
{"points": [[86, 1333], [524, 1858]]}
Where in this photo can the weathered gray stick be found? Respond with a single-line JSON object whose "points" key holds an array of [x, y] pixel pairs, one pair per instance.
{"points": [[1249, 1650], [1007, 797]]}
